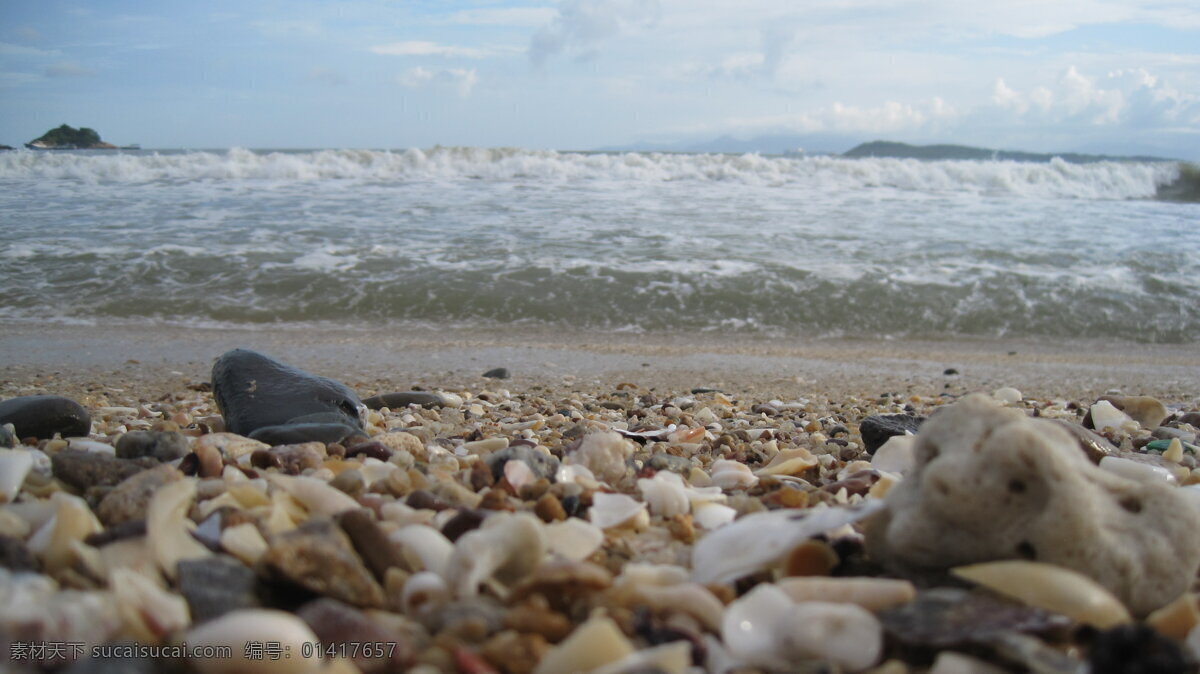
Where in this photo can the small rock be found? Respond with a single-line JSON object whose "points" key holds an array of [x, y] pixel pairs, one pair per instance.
{"points": [[14, 556], [549, 509], [318, 557], [877, 428], [497, 373], [343, 628], [214, 586], [294, 434], [1136, 648], [1094, 445], [401, 399], [43, 416], [7, 437], [129, 499], [1148, 412], [1008, 395], [371, 542], [467, 519], [295, 459], [675, 464], [949, 372], [254, 391], [542, 465], [82, 469], [349, 482], [1191, 418], [952, 618], [157, 445]]}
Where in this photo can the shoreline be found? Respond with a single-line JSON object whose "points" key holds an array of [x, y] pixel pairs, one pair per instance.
{"points": [[149, 360]]}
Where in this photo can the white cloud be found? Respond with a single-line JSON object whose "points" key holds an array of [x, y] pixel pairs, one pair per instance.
{"points": [[581, 25], [326, 76], [529, 17], [461, 80], [888, 117], [67, 69], [422, 48]]}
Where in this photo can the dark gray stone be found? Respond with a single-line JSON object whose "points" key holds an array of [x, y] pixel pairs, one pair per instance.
{"points": [[14, 556], [254, 391], [404, 399], [214, 586], [497, 373], [81, 469], [541, 464], [159, 445], [7, 437], [294, 434], [43, 416], [877, 428]]}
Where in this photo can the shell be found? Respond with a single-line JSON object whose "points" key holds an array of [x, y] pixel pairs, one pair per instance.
{"points": [[423, 593], [612, 510], [873, 594], [168, 529], [1106, 416], [604, 454], [230, 445], [665, 494], [236, 629], [424, 547], [518, 473], [573, 538], [728, 474], [505, 549], [316, 495], [1178, 618], [788, 462], [692, 599], [55, 542], [15, 464], [748, 626], [149, 612], [1050, 587], [594, 644], [1136, 470], [1007, 395], [244, 542], [672, 658], [896, 455], [712, 515], [758, 540]]}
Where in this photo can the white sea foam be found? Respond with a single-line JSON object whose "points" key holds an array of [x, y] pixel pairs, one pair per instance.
{"points": [[1055, 179]]}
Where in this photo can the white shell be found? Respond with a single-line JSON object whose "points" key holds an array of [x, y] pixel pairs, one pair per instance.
{"points": [[505, 549], [594, 644], [1136, 470], [1106, 416], [56, 541], [518, 473], [316, 495], [665, 494], [1008, 395], [92, 446], [15, 464], [149, 612], [573, 538], [672, 658], [604, 454], [244, 542], [403, 514], [728, 474], [168, 529], [755, 541], [788, 462], [611, 510], [873, 594], [896, 455], [423, 593], [748, 626], [424, 544], [1051, 587], [236, 629], [712, 515], [230, 445]]}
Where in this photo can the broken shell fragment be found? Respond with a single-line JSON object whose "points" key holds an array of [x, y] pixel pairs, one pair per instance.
{"points": [[424, 547], [15, 464], [788, 462], [505, 549], [665, 494], [873, 594], [423, 593], [1050, 587], [592, 645], [236, 630], [315, 495], [169, 530], [149, 612], [573, 538], [612, 510], [728, 474]]}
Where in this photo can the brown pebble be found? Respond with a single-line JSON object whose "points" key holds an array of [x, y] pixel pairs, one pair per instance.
{"points": [[535, 616], [425, 500], [481, 477], [535, 490], [466, 520], [372, 449], [811, 558], [372, 544], [318, 556], [210, 463], [786, 497], [496, 498], [514, 653], [682, 528], [549, 508], [857, 483], [129, 500], [337, 624]]}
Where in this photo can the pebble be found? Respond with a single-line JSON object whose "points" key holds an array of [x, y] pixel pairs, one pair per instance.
{"points": [[129, 500], [214, 586], [317, 556], [877, 428], [497, 373], [542, 465], [82, 469], [15, 556], [344, 628], [664, 461], [157, 445], [292, 434], [44, 416], [254, 391], [7, 437], [402, 399]]}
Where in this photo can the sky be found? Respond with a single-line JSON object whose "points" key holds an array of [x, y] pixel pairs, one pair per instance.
{"points": [[1119, 77]]}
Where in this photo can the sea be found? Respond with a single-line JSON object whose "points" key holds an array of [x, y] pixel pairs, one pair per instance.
{"points": [[512, 239]]}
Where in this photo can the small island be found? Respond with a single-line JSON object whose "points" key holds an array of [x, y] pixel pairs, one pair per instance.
{"points": [[68, 138]]}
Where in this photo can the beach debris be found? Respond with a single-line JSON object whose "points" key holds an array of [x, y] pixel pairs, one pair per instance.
{"points": [[604, 454], [45, 416], [1011, 487], [1007, 395], [594, 644], [159, 445], [1104, 416], [1148, 412], [168, 529], [254, 391], [500, 553], [730, 475], [401, 399], [614, 510], [1051, 587]]}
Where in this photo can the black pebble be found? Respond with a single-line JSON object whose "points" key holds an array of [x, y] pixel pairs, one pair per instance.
{"points": [[294, 434], [254, 391], [497, 373], [404, 399], [1136, 649], [950, 371], [877, 428], [43, 416]]}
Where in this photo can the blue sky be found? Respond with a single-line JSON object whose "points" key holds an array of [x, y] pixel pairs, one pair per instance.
{"points": [[1067, 75]]}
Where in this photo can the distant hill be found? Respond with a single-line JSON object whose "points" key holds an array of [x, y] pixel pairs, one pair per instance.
{"points": [[69, 138], [883, 148]]}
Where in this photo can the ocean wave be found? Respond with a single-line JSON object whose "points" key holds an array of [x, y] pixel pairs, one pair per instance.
{"points": [[1055, 179]]}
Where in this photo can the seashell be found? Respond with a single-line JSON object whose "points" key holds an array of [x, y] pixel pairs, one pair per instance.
{"points": [[1007, 395], [210, 506], [665, 494], [758, 540], [873, 594], [238, 629], [691, 599], [788, 462], [1137, 471], [573, 538], [89, 445], [1148, 412], [518, 473], [315, 495], [712, 515], [15, 464], [423, 593], [149, 612], [34, 609], [728, 474], [949, 662], [612, 510], [244, 542], [451, 399], [168, 529], [229, 445], [766, 628], [594, 644], [896, 455], [1050, 587], [55, 541], [485, 446], [249, 494], [1105, 416], [811, 558], [12, 525], [1174, 451], [604, 454], [671, 658], [403, 514], [505, 549], [424, 547], [1177, 619]]}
